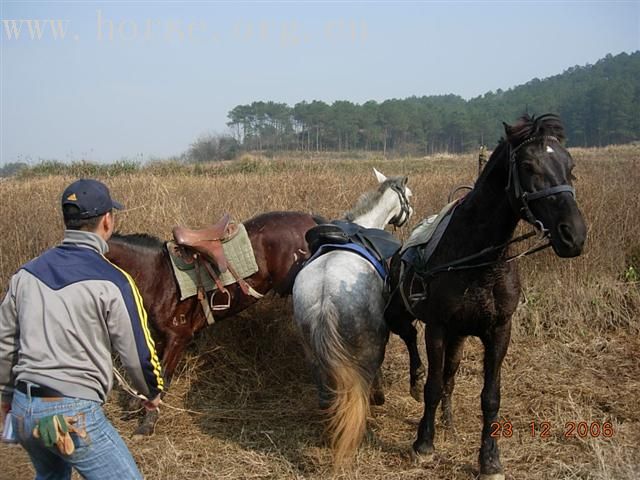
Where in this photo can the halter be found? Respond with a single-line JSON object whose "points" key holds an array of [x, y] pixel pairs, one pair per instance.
{"points": [[405, 210], [522, 197]]}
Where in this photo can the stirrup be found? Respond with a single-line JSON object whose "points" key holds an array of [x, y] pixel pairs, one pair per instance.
{"points": [[217, 308]]}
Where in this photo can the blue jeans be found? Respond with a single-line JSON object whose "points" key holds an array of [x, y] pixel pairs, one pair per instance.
{"points": [[101, 455]]}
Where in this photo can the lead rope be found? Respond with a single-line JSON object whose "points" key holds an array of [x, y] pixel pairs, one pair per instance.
{"points": [[134, 393], [128, 388]]}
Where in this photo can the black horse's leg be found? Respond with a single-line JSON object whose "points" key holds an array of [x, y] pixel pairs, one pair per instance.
{"points": [[409, 335], [452, 357], [401, 324], [434, 338], [376, 396], [495, 347]]}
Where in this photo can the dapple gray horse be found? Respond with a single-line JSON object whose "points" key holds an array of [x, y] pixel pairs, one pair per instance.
{"points": [[338, 304]]}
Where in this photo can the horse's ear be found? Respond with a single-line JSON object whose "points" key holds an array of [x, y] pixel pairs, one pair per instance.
{"points": [[381, 178], [405, 179], [508, 129]]}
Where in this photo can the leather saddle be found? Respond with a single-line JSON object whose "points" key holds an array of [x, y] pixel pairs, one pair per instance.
{"points": [[203, 248], [324, 234], [207, 241]]}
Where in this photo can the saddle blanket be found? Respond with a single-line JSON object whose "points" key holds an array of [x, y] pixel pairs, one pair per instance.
{"points": [[239, 253], [427, 234], [351, 247]]}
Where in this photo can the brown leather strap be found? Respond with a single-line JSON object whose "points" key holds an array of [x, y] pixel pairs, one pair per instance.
{"points": [[244, 286], [221, 288], [199, 285], [214, 276]]}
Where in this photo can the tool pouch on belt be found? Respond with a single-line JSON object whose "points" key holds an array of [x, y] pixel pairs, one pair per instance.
{"points": [[55, 429]]}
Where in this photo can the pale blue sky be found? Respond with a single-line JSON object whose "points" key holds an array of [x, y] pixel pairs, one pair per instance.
{"points": [[139, 89]]}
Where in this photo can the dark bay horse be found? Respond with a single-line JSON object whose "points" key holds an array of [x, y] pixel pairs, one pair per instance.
{"points": [[278, 240], [467, 286], [338, 303]]}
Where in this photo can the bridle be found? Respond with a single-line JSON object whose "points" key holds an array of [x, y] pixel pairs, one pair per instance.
{"points": [[520, 201], [521, 197], [405, 209]]}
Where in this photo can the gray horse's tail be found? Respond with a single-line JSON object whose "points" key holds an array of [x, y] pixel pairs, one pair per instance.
{"points": [[349, 384]]}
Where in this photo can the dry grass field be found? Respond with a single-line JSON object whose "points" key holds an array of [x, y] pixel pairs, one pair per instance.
{"points": [[243, 404]]}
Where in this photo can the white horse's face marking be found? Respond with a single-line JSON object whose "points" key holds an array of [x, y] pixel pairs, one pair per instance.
{"points": [[550, 150]]}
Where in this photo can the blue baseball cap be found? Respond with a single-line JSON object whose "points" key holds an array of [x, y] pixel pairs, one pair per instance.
{"points": [[91, 197]]}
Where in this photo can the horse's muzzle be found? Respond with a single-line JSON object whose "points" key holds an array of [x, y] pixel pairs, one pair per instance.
{"points": [[568, 238]]}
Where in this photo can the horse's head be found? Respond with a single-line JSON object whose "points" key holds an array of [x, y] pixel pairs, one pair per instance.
{"points": [[402, 209], [540, 182]]}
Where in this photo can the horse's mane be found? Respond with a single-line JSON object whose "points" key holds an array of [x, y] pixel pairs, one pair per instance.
{"points": [[367, 200], [529, 126], [138, 240]]}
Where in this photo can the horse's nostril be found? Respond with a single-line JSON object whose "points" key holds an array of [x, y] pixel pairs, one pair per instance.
{"points": [[565, 233]]}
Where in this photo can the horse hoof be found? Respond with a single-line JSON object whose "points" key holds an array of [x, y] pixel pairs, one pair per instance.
{"points": [[422, 452], [143, 431], [422, 458], [492, 476], [141, 434]]}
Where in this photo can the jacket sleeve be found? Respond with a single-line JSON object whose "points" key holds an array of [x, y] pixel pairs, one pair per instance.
{"points": [[9, 342], [131, 338]]}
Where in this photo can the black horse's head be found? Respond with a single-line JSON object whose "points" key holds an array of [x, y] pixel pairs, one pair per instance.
{"points": [[540, 181]]}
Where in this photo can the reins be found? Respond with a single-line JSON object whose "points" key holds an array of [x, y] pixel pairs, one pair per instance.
{"points": [[520, 196], [459, 264]]}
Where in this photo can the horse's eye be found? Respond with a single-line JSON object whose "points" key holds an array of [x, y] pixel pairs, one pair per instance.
{"points": [[528, 167]]}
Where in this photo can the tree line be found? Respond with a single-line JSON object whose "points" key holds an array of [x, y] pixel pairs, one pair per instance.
{"points": [[598, 103]]}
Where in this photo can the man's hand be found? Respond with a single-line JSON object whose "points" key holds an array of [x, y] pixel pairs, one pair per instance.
{"points": [[153, 403]]}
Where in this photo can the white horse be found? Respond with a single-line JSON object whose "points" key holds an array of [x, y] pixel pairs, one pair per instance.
{"points": [[338, 302]]}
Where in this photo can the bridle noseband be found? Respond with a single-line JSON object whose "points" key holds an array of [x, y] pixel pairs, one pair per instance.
{"points": [[522, 198], [405, 209]]}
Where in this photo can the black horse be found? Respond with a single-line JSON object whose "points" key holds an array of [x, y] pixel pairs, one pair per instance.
{"points": [[467, 286]]}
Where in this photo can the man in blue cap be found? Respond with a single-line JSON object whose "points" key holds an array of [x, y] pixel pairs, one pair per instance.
{"points": [[63, 313]]}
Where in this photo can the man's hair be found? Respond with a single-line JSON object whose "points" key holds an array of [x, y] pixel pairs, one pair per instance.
{"points": [[71, 222]]}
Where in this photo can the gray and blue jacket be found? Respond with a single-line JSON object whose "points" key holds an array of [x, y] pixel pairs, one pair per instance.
{"points": [[64, 315]]}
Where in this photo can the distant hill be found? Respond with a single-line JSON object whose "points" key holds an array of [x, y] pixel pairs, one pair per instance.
{"points": [[599, 104]]}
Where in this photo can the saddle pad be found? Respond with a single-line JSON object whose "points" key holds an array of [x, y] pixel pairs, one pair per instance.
{"points": [[351, 247], [427, 234], [239, 253]]}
